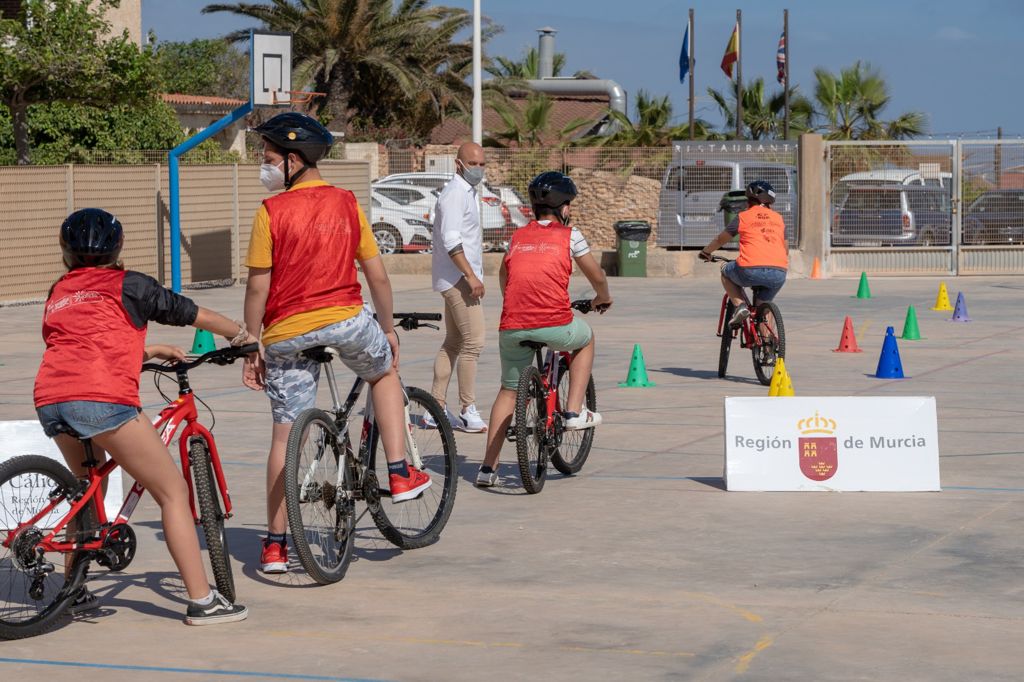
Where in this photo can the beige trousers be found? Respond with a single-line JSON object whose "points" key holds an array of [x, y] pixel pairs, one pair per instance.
{"points": [[465, 331]]}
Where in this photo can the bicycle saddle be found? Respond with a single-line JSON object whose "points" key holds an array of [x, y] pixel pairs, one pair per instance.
{"points": [[64, 428], [536, 345], [320, 353]]}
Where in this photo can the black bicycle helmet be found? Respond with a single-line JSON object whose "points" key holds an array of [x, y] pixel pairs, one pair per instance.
{"points": [[552, 189], [298, 133], [91, 237], [761, 192]]}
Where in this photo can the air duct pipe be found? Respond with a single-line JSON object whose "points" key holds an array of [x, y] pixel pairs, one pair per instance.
{"points": [[574, 86]]}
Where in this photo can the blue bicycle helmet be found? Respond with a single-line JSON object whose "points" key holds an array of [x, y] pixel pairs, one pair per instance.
{"points": [[761, 192], [90, 238]]}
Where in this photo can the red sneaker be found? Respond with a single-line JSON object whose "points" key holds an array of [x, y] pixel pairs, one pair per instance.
{"points": [[408, 487], [274, 558]]}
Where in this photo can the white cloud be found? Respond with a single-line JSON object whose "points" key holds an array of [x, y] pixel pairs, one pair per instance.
{"points": [[953, 33]]}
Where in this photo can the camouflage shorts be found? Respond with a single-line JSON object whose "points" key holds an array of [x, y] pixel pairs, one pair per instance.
{"points": [[292, 379]]}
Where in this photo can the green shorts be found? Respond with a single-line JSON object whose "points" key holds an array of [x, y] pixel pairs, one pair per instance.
{"points": [[514, 357]]}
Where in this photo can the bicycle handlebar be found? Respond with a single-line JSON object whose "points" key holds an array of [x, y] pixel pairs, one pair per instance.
{"points": [[223, 356], [717, 259], [584, 306], [410, 321]]}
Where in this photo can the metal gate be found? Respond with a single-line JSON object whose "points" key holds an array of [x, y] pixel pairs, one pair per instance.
{"points": [[701, 172], [926, 208]]}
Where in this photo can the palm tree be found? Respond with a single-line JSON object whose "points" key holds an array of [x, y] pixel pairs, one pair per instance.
{"points": [[652, 127], [765, 119], [526, 68], [375, 60], [851, 102], [531, 127]]}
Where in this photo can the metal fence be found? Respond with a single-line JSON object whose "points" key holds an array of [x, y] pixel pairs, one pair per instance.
{"points": [[953, 207], [218, 203], [701, 172]]}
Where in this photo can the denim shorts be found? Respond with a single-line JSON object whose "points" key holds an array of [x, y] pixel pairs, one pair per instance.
{"points": [[515, 357], [765, 282], [87, 418], [291, 379]]}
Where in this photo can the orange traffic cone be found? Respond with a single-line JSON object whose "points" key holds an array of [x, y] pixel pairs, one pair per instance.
{"points": [[848, 341], [816, 269]]}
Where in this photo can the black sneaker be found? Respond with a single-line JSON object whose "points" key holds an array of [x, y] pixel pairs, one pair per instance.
{"points": [[740, 316], [84, 601], [220, 610]]}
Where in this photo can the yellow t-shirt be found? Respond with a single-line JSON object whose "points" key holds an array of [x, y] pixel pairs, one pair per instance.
{"points": [[260, 255]]}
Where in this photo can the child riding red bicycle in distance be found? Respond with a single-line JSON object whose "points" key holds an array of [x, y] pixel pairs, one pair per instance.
{"points": [[534, 280], [764, 255]]}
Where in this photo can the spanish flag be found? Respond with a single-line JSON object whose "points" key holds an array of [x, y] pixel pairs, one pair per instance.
{"points": [[732, 51]]}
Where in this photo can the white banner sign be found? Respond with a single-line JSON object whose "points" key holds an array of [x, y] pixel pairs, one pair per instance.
{"points": [[873, 444], [26, 437]]}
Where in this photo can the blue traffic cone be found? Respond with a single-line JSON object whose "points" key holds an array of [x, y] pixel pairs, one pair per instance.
{"points": [[960, 313], [889, 365]]}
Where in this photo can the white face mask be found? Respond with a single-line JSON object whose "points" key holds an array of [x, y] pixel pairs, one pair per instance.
{"points": [[272, 176], [474, 175]]}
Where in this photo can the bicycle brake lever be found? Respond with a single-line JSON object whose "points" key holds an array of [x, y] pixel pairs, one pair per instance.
{"points": [[432, 326]]}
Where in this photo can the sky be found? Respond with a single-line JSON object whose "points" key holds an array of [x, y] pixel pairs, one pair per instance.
{"points": [[958, 62]]}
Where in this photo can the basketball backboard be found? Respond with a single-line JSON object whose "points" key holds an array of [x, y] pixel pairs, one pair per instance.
{"points": [[271, 64]]}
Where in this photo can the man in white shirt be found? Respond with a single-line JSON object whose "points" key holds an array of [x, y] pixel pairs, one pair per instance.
{"points": [[458, 272]]}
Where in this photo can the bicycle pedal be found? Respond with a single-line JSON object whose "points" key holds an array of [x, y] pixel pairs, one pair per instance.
{"points": [[510, 436]]}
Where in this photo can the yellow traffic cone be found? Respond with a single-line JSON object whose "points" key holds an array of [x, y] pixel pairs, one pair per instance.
{"points": [[777, 377], [786, 387], [942, 300]]}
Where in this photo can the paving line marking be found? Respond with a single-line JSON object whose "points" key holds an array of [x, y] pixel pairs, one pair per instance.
{"points": [[188, 671], [745, 659], [710, 599]]}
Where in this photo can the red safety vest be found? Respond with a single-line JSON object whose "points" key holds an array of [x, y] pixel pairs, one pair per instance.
{"points": [[538, 264], [762, 239], [315, 233], [93, 350]]}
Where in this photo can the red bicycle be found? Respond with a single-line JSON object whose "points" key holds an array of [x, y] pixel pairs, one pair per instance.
{"points": [[53, 525], [762, 332], [539, 430]]}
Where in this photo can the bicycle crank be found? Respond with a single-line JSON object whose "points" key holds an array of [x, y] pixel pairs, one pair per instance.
{"points": [[119, 547]]}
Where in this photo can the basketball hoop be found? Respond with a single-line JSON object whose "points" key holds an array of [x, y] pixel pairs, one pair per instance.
{"points": [[296, 97]]}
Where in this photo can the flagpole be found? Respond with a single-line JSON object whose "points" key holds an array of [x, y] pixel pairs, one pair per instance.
{"points": [[691, 73], [739, 74], [785, 84]]}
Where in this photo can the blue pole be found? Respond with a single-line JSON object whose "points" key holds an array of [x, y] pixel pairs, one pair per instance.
{"points": [[172, 170]]}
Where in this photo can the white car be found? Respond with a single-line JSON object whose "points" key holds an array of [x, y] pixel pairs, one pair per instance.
{"points": [[411, 198], [397, 230], [495, 217], [518, 207]]}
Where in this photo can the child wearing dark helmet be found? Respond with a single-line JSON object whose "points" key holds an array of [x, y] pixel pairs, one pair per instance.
{"points": [[534, 280], [764, 254], [94, 326]]}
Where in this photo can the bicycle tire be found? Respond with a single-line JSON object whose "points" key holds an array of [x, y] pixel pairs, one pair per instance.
{"points": [[723, 353], [773, 344], [574, 447], [37, 615], [531, 440], [418, 522], [324, 542], [211, 516]]}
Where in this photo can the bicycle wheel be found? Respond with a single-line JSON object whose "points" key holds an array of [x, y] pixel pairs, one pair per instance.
{"points": [[532, 439], [723, 354], [773, 341], [574, 446], [36, 589], [211, 516], [418, 522], [319, 496]]}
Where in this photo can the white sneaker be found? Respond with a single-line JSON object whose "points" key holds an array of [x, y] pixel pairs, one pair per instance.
{"points": [[427, 421], [473, 422], [584, 420], [486, 480]]}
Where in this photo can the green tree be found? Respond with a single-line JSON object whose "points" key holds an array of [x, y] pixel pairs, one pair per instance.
{"points": [[652, 127], [531, 126], [202, 67], [376, 60], [765, 118], [60, 51], [851, 102]]}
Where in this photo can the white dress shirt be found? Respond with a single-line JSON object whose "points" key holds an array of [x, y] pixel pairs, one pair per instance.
{"points": [[456, 221]]}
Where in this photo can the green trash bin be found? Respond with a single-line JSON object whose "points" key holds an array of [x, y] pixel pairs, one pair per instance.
{"points": [[631, 241], [733, 201]]}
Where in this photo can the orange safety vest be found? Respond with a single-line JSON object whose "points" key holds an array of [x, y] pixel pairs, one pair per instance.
{"points": [[315, 233], [762, 239]]}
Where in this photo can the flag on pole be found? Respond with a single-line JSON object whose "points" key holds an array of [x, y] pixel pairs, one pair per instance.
{"points": [[684, 55], [732, 51], [780, 58]]}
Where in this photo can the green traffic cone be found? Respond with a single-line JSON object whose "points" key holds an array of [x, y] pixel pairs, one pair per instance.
{"points": [[637, 376], [203, 342], [910, 330], [863, 291]]}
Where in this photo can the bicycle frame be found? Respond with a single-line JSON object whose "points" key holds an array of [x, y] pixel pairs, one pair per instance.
{"points": [[168, 421], [751, 337], [549, 377]]}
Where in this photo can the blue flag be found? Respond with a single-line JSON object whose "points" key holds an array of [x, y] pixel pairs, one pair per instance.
{"points": [[684, 55]]}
